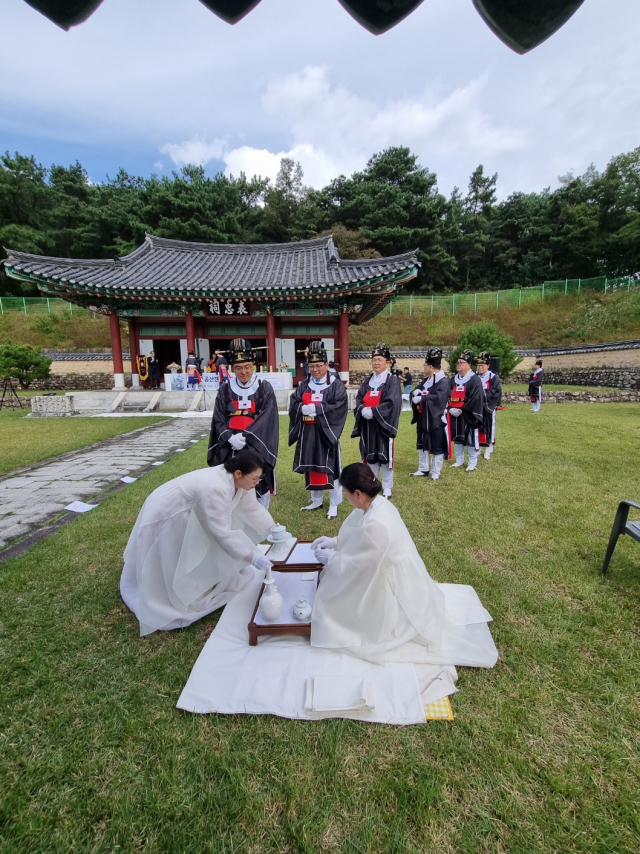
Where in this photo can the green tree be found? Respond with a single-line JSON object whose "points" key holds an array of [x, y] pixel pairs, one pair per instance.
{"points": [[351, 244], [486, 336], [24, 363], [395, 203], [477, 210]]}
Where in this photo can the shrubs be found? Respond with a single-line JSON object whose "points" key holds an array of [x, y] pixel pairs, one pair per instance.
{"points": [[24, 363], [486, 336]]}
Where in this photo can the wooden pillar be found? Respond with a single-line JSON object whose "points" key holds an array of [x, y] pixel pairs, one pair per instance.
{"points": [[343, 338], [134, 349], [191, 333], [116, 349], [271, 342]]}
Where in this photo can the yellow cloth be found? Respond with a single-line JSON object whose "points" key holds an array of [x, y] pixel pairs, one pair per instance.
{"points": [[439, 710]]}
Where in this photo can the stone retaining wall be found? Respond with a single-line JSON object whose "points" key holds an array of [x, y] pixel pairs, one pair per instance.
{"points": [[574, 397], [622, 378], [75, 382]]}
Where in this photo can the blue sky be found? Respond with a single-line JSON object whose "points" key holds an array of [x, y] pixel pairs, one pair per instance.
{"points": [[148, 85]]}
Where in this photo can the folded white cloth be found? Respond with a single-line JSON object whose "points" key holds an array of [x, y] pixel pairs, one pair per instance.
{"points": [[338, 694]]}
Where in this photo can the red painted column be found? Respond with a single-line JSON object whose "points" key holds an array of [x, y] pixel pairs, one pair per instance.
{"points": [[191, 332], [343, 338], [134, 349], [271, 342], [116, 349]]}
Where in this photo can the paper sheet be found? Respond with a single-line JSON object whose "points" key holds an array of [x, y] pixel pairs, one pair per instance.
{"points": [[158, 463], [80, 507], [302, 553], [128, 479]]}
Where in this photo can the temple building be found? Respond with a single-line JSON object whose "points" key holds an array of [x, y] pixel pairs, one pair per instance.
{"points": [[178, 296]]}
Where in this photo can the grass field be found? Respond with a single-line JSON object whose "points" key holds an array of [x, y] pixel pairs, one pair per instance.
{"points": [[28, 440], [542, 756]]}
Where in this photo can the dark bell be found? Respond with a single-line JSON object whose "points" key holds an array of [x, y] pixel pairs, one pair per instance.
{"points": [[524, 24], [378, 16], [65, 13], [230, 11]]}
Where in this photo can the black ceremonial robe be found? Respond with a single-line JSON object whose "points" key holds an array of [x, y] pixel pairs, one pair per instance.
{"points": [[376, 434], [427, 416], [535, 385], [317, 454], [464, 426], [492, 400], [254, 413]]}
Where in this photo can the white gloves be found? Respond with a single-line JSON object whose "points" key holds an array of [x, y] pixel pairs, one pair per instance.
{"points": [[444, 417], [456, 413], [367, 413], [417, 397], [323, 556], [324, 543], [237, 441], [260, 561], [309, 409]]}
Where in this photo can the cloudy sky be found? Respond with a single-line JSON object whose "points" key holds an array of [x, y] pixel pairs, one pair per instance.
{"points": [[148, 85]]}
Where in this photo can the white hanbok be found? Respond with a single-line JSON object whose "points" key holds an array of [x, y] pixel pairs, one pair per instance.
{"points": [[377, 601], [189, 549]]}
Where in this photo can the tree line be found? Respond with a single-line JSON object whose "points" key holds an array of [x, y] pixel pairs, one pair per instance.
{"points": [[588, 226]]}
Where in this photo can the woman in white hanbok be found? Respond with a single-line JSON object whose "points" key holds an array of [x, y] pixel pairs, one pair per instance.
{"points": [[376, 599], [193, 546]]}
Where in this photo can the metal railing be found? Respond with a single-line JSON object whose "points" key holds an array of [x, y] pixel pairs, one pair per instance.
{"points": [[422, 306]]}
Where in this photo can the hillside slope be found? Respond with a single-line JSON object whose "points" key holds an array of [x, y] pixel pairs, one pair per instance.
{"points": [[567, 320]]}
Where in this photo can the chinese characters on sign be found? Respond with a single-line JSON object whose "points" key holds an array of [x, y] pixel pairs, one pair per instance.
{"points": [[228, 307]]}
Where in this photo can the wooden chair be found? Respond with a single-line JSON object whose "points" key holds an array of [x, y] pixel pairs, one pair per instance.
{"points": [[622, 525]]}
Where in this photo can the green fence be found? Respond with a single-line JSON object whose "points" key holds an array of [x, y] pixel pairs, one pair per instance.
{"points": [[421, 306], [39, 305]]}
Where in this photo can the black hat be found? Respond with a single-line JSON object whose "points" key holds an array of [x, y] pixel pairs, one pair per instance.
{"points": [[468, 356], [316, 352], [434, 357], [381, 349], [240, 351], [483, 358]]}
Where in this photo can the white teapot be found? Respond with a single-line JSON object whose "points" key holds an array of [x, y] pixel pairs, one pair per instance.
{"points": [[302, 610]]}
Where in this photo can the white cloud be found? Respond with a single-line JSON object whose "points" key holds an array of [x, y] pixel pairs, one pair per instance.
{"points": [[194, 151], [334, 131]]}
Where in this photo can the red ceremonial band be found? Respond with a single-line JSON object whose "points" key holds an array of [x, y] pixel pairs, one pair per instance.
{"points": [[317, 478]]}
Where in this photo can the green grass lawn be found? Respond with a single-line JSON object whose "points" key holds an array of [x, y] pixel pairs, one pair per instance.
{"points": [[542, 755], [29, 440]]}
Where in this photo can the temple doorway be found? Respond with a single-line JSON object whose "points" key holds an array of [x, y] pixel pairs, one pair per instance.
{"points": [[167, 350], [258, 344]]}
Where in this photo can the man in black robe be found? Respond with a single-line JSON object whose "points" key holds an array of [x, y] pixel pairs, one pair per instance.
{"points": [[317, 412], [378, 405], [246, 414], [535, 386], [466, 403], [492, 400], [429, 401]]}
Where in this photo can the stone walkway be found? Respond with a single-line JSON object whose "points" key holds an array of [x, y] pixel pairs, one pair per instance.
{"points": [[33, 496]]}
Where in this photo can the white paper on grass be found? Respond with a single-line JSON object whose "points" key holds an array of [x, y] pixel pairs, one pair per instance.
{"points": [[128, 479], [158, 463], [80, 507], [194, 441], [180, 450]]}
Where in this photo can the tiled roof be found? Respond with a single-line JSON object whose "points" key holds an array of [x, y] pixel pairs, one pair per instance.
{"points": [[176, 264]]}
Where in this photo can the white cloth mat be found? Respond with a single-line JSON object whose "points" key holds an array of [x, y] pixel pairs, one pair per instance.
{"points": [[231, 677]]}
